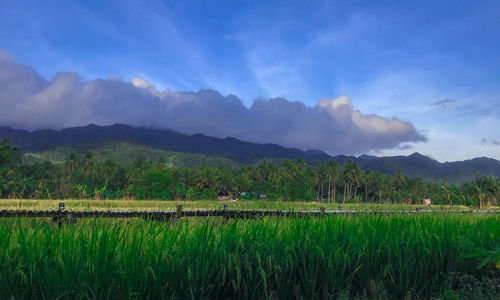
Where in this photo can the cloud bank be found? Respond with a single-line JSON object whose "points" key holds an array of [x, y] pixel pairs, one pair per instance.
{"points": [[32, 102]]}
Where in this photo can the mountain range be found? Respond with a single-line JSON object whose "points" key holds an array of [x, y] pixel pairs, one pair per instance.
{"points": [[234, 149], [125, 143]]}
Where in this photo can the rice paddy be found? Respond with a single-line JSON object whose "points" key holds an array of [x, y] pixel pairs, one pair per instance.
{"points": [[151, 205], [336, 257]]}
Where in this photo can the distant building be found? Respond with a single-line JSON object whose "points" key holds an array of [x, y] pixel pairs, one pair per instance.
{"points": [[262, 196]]}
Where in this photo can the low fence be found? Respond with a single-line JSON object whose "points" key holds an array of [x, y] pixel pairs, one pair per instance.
{"points": [[65, 215]]}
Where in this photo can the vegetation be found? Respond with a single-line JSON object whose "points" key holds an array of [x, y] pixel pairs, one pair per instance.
{"points": [[158, 205], [345, 257], [125, 144], [124, 154], [85, 177], [231, 148], [338, 257]]}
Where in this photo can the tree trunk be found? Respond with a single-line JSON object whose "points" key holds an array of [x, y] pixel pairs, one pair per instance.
{"points": [[345, 191], [329, 183], [349, 192], [322, 192], [334, 192], [355, 193]]}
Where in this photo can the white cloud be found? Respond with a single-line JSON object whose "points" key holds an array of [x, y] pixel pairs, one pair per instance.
{"points": [[450, 118], [334, 125]]}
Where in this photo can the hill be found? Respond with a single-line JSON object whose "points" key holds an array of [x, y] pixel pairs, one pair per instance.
{"points": [[231, 148], [125, 153], [125, 144], [418, 165]]}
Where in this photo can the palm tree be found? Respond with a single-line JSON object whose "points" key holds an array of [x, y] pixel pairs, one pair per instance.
{"points": [[89, 163], [276, 179], [356, 177], [345, 179], [486, 189], [109, 169], [71, 163], [368, 182], [289, 171], [352, 174], [322, 175], [310, 180], [332, 171], [446, 191], [300, 164]]}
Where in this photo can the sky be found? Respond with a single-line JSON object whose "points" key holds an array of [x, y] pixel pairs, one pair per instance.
{"points": [[347, 77]]}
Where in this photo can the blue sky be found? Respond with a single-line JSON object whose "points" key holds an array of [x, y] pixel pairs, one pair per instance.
{"points": [[433, 64]]}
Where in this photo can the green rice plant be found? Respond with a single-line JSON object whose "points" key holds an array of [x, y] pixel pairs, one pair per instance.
{"points": [[336, 256], [90, 204]]}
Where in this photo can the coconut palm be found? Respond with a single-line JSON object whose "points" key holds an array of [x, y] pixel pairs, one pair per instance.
{"points": [[89, 163], [109, 169], [352, 179], [322, 177], [332, 170], [72, 163], [446, 191]]}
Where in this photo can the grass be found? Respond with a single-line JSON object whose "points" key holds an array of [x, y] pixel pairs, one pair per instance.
{"points": [[143, 205], [208, 259]]}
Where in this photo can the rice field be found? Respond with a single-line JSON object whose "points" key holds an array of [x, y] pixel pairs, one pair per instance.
{"points": [[146, 205], [336, 257]]}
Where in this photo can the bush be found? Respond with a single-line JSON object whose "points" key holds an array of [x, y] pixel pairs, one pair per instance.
{"points": [[209, 194]]}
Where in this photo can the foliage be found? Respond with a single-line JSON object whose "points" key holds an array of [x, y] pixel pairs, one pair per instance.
{"points": [[208, 259], [125, 153], [144, 205], [86, 176]]}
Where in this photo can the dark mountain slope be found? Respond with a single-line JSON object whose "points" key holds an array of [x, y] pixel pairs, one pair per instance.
{"points": [[415, 165], [243, 152], [418, 165]]}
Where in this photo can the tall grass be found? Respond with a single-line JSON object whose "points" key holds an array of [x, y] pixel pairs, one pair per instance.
{"points": [[210, 259]]}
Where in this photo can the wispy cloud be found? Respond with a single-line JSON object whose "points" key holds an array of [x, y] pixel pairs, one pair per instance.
{"points": [[438, 72], [480, 110], [348, 34], [274, 65], [288, 54], [493, 142], [405, 147], [444, 103]]}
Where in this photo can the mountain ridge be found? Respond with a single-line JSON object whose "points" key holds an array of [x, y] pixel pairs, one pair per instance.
{"points": [[232, 148], [413, 165]]}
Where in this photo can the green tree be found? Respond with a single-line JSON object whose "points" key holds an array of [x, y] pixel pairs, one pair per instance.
{"points": [[72, 163], [447, 193], [10, 155], [89, 163], [332, 171], [352, 177], [109, 169], [322, 178]]}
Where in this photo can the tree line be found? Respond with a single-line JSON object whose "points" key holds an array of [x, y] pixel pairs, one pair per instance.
{"points": [[82, 176]]}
